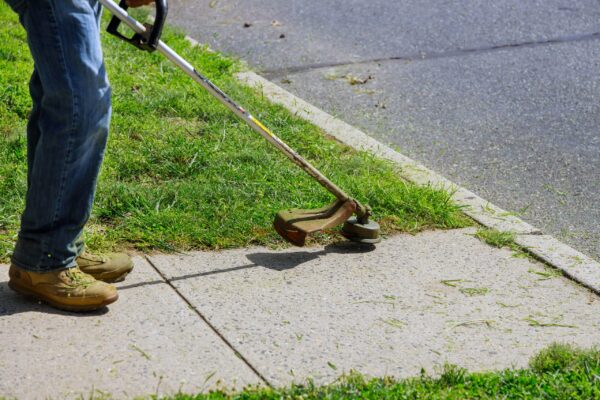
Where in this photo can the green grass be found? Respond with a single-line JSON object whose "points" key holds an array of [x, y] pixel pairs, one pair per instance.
{"points": [[497, 238], [182, 172], [559, 372]]}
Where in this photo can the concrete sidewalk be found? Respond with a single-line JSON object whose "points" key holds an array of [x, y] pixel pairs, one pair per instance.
{"points": [[255, 316]]}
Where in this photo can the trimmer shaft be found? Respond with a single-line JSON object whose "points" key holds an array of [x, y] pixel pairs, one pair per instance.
{"points": [[292, 224]]}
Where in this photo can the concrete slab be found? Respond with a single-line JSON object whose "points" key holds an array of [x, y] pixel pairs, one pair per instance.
{"points": [[148, 342], [413, 302]]}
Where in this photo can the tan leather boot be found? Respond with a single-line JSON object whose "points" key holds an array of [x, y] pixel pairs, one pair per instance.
{"points": [[67, 289], [112, 267]]}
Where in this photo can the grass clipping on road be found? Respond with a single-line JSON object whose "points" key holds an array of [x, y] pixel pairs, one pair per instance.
{"points": [[182, 172]]}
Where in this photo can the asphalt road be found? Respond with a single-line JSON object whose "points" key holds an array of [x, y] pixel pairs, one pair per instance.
{"points": [[502, 97]]}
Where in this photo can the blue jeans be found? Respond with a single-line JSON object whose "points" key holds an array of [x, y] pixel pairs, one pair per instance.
{"points": [[67, 130]]}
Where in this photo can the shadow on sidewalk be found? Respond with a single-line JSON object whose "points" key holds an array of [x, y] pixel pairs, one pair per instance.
{"points": [[289, 260], [12, 303], [275, 261]]}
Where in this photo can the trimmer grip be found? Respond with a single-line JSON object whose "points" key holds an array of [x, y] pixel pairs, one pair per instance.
{"points": [[162, 9], [149, 40]]}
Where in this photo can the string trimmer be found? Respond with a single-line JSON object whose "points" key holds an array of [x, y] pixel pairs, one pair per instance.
{"points": [[293, 224]]}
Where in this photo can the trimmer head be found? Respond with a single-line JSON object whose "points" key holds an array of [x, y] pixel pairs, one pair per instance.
{"points": [[361, 232], [295, 224]]}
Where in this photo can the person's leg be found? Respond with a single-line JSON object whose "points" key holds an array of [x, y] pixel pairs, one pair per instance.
{"points": [[66, 137], [67, 132], [33, 133]]}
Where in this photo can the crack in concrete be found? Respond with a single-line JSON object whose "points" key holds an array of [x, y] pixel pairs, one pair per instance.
{"points": [[278, 72], [211, 326]]}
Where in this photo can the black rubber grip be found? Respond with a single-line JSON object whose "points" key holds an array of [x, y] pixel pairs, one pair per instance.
{"points": [[149, 40]]}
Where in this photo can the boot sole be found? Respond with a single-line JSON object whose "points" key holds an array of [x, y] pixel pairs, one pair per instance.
{"points": [[67, 307], [119, 278], [106, 277]]}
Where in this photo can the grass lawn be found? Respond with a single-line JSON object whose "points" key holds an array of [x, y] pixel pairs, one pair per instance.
{"points": [[181, 172], [559, 372]]}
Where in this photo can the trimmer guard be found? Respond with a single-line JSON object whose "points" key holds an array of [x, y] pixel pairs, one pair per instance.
{"points": [[295, 224]]}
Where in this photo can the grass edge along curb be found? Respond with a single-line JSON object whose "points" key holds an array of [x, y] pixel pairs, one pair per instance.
{"points": [[182, 173], [545, 248]]}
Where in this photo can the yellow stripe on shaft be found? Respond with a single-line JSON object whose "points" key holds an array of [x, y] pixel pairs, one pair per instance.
{"points": [[264, 128]]}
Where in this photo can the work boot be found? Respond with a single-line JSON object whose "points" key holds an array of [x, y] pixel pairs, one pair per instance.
{"points": [[67, 288], [112, 267]]}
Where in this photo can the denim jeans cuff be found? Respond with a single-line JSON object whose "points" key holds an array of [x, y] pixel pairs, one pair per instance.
{"points": [[42, 269], [30, 257]]}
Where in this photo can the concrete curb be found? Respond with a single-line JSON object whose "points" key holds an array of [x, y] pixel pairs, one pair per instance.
{"points": [[571, 262], [474, 206]]}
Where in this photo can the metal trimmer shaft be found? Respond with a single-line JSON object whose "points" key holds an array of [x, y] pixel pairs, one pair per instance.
{"points": [[293, 225], [254, 123]]}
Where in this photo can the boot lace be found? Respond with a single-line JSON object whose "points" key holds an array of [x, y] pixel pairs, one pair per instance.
{"points": [[78, 278]]}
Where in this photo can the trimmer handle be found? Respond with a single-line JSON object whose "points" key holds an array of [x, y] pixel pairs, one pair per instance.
{"points": [[149, 40]]}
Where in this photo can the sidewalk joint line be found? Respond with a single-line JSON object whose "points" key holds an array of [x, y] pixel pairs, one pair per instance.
{"points": [[423, 56], [212, 327]]}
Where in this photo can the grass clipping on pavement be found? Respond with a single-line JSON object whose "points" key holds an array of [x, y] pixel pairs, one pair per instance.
{"points": [[181, 172]]}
